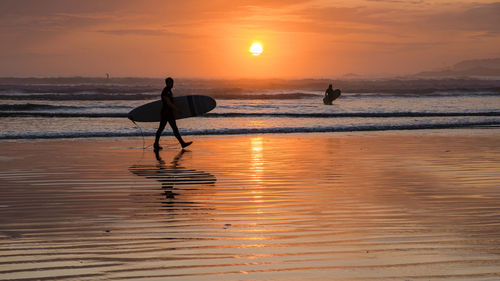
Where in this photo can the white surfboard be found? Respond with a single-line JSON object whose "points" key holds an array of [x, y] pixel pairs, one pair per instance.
{"points": [[190, 106]]}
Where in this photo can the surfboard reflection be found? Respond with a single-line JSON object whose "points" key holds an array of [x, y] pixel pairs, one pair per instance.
{"points": [[173, 175]]}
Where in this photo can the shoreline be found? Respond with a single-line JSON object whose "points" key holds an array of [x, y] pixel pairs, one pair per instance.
{"points": [[446, 129]]}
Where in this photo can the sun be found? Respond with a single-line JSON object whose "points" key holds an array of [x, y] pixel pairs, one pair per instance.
{"points": [[256, 49]]}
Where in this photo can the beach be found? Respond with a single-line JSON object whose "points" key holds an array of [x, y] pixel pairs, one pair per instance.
{"points": [[384, 205], [325, 140]]}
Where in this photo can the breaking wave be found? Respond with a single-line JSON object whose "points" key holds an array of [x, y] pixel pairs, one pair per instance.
{"points": [[246, 131]]}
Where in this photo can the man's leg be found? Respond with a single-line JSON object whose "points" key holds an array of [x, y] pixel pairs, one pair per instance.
{"points": [[161, 127], [177, 134]]}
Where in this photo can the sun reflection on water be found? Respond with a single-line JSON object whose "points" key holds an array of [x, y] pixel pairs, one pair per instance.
{"points": [[257, 168], [257, 163]]}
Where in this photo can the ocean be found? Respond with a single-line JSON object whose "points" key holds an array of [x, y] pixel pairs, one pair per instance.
{"points": [[32, 108]]}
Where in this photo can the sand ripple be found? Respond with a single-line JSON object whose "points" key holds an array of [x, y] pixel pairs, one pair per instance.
{"points": [[274, 207]]}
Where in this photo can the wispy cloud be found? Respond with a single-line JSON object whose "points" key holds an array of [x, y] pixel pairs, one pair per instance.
{"points": [[476, 17], [144, 31]]}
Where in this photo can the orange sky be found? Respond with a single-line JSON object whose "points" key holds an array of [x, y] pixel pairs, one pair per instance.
{"points": [[210, 39]]}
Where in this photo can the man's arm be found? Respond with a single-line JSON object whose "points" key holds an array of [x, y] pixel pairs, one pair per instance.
{"points": [[170, 104]]}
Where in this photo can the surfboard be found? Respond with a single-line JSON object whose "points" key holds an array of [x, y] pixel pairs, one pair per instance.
{"points": [[190, 106], [336, 95]]}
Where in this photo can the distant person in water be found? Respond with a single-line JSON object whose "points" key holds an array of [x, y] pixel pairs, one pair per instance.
{"points": [[167, 115], [331, 95]]}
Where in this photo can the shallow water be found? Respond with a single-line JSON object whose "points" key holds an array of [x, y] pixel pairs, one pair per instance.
{"points": [[273, 207], [84, 110]]}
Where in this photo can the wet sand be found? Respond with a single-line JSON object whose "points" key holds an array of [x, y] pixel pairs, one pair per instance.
{"points": [[349, 206]]}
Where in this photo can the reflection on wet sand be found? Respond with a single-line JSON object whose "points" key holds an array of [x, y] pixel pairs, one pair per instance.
{"points": [[273, 207], [172, 175]]}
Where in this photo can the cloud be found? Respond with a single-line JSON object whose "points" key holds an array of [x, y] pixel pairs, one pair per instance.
{"points": [[36, 8], [415, 2], [477, 17], [397, 21], [139, 31], [60, 22]]}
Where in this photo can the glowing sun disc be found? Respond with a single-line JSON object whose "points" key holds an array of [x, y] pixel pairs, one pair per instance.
{"points": [[256, 49]]}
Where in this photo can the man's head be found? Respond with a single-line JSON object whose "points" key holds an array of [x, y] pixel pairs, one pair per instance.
{"points": [[169, 82]]}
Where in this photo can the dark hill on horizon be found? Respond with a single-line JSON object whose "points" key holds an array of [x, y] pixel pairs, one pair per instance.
{"points": [[486, 68]]}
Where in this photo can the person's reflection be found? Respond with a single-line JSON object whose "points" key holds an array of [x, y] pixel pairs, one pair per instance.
{"points": [[168, 189], [172, 175]]}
